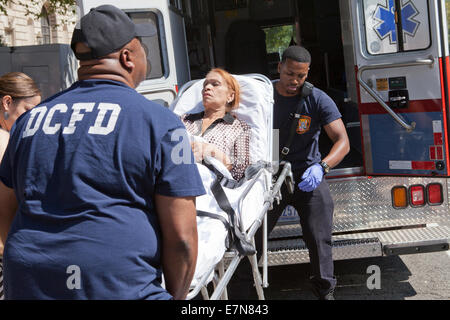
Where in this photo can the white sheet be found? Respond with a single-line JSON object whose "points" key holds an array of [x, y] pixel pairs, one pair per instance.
{"points": [[212, 232]]}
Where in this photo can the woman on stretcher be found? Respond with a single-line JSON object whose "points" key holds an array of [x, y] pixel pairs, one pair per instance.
{"points": [[216, 132]]}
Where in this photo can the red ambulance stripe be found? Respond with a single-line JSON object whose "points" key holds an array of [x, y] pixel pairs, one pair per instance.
{"points": [[444, 109], [429, 105]]}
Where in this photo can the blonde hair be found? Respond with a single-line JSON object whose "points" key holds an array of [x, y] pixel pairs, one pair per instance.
{"points": [[233, 85]]}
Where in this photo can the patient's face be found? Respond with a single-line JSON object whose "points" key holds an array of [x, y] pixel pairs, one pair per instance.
{"points": [[216, 93]]}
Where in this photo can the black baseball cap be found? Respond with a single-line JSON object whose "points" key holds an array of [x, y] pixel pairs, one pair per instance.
{"points": [[107, 29]]}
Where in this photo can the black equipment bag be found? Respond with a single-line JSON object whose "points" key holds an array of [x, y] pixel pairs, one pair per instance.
{"points": [[307, 89]]}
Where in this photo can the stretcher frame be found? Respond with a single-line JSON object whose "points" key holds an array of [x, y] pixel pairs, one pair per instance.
{"points": [[225, 269]]}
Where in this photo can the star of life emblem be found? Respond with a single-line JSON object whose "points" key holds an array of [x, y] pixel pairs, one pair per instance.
{"points": [[386, 26]]}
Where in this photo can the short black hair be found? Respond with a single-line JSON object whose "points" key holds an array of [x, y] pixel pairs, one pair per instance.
{"points": [[296, 53]]}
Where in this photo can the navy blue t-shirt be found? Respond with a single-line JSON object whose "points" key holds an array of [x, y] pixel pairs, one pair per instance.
{"points": [[85, 166], [319, 109]]}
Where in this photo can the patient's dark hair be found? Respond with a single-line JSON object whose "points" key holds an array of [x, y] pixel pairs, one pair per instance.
{"points": [[296, 53]]}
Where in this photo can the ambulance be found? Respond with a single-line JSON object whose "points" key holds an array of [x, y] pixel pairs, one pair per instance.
{"points": [[386, 65]]}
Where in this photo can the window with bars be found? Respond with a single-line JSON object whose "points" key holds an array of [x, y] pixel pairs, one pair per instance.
{"points": [[45, 27]]}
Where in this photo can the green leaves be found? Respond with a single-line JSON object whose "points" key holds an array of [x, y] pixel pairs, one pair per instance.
{"points": [[279, 37], [33, 7], [3, 6], [63, 8]]}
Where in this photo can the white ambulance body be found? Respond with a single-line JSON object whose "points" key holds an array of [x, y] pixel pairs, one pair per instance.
{"points": [[386, 65]]}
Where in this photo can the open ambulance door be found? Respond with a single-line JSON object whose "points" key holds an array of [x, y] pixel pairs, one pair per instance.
{"points": [[164, 51], [402, 65]]}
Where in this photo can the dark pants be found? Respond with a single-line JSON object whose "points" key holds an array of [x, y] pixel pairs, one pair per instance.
{"points": [[316, 218]]}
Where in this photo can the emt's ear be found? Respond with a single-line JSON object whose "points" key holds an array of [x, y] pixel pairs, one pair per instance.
{"points": [[279, 67]]}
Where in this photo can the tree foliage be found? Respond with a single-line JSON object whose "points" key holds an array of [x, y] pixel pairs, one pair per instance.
{"points": [[62, 7], [278, 38]]}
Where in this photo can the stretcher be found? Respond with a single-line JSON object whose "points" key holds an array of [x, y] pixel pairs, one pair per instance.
{"points": [[231, 212]]}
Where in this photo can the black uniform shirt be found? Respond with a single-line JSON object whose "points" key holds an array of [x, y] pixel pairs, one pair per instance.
{"points": [[319, 110]]}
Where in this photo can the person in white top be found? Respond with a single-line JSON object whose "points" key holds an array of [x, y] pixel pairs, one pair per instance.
{"points": [[4, 137], [18, 94]]}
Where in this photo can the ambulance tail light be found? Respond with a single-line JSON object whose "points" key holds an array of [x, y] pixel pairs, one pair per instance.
{"points": [[399, 197], [435, 194], [417, 195]]}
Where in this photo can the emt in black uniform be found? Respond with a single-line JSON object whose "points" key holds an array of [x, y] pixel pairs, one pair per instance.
{"points": [[311, 197]]}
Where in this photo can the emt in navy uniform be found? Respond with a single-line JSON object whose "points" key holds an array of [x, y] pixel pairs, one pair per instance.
{"points": [[102, 207], [311, 197]]}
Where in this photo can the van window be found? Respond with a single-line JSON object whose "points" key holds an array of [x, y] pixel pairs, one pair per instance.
{"points": [[278, 38], [151, 45], [384, 21]]}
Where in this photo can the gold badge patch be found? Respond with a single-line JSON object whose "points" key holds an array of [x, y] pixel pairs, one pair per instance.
{"points": [[303, 124]]}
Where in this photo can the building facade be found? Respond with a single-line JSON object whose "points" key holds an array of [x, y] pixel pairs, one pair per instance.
{"points": [[19, 29]]}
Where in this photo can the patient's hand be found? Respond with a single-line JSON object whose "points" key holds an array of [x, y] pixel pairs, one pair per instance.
{"points": [[197, 149], [202, 150]]}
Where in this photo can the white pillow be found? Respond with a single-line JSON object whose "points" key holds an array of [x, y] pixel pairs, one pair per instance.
{"points": [[255, 108]]}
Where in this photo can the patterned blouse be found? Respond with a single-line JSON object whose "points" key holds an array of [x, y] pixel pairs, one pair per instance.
{"points": [[229, 134]]}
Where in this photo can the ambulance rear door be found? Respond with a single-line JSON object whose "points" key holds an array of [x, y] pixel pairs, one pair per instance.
{"points": [[401, 54]]}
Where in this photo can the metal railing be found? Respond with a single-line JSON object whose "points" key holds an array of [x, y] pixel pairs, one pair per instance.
{"points": [[420, 62]]}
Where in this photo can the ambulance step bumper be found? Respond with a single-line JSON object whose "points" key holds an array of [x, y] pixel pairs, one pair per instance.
{"points": [[364, 245]]}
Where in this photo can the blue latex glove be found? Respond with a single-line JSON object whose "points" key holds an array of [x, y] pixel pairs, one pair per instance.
{"points": [[311, 178]]}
